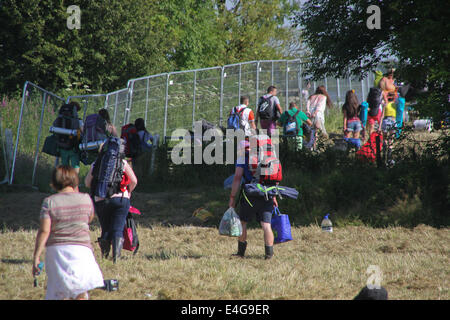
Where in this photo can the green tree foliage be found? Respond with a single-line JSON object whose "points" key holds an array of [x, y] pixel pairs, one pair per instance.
{"points": [[415, 32], [123, 39]]}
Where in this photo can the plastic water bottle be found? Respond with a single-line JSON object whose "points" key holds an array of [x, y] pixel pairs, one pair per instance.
{"points": [[326, 225]]}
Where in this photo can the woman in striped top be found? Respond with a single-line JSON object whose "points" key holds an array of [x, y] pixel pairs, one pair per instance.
{"points": [[64, 231]]}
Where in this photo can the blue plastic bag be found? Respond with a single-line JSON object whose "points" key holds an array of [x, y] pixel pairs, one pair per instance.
{"points": [[281, 226]]}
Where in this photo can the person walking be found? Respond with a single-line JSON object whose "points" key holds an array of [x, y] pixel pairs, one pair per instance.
{"points": [[315, 109], [258, 208], [267, 110], [298, 117], [246, 115], [351, 109], [112, 210], [110, 128], [64, 231]]}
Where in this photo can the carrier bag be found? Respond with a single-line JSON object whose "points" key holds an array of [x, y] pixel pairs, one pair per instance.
{"points": [[281, 226], [230, 225]]}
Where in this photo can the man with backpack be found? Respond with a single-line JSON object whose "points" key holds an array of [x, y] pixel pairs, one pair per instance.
{"points": [[242, 117], [292, 121], [251, 206], [67, 144], [269, 110]]}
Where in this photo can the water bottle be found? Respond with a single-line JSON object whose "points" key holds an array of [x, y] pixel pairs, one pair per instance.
{"points": [[326, 225]]}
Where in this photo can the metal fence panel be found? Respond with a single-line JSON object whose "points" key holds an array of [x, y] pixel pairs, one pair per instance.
{"points": [[38, 111]]}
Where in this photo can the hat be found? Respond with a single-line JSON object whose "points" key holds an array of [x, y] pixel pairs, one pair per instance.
{"points": [[372, 294]]}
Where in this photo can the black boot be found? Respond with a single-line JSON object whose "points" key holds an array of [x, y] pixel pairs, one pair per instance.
{"points": [[117, 245], [269, 252], [242, 246], [105, 247]]}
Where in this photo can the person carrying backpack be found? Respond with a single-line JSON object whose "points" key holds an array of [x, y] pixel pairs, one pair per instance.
{"points": [[242, 117], [251, 207], [111, 180], [144, 135], [269, 110], [291, 121], [67, 145]]}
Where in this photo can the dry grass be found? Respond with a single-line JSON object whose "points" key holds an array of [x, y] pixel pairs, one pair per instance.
{"points": [[187, 262]]}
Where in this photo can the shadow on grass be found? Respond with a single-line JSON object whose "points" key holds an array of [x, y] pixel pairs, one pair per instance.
{"points": [[16, 261], [166, 255]]}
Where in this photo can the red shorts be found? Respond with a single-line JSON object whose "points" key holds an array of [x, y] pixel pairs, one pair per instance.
{"points": [[371, 120]]}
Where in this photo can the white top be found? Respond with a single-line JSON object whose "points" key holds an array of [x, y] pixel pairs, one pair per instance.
{"points": [[317, 102], [247, 116]]}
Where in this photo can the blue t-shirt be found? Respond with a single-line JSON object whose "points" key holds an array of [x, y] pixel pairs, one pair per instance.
{"points": [[244, 164]]}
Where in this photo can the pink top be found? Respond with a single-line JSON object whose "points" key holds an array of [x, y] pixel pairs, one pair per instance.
{"points": [[69, 213]]}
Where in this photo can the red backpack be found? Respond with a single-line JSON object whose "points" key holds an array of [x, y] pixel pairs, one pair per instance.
{"points": [[132, 142], [130, 236], [368, 151], [264, 163]]}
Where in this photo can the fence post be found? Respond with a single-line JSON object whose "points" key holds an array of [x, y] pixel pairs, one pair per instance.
{"points": [[257, 84], [349, 80], [36, 153], [146, 101], [287, 85], [193, 98], [300, 89], [239, 90], [271, 75], [221, 95], [126, 117], [338, 91], [115, 109], [165, 107], [24, 95]]}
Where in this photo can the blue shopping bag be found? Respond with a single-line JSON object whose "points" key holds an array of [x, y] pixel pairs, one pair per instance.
{"points": [[281, 226]]}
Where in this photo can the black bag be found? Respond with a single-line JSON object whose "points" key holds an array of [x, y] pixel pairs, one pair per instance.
{"points": [[374, 101], [266, 108], [50, 146], [67, 119]]}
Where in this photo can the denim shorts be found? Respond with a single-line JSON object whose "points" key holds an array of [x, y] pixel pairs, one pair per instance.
{"points": [[354, 126], [388, 124]]}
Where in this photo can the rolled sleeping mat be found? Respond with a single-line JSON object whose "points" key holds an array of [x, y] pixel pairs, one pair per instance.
{"points": [[68, 132], [422, 125], [93, 145]]}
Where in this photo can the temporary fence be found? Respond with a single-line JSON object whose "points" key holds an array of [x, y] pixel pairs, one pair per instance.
{"points": [[169, 101]]}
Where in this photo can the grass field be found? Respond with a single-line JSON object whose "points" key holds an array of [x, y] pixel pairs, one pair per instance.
{"points": [[178, 260]]}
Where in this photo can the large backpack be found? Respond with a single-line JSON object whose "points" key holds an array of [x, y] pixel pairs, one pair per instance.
{"points": [[369, 151], [132, 141], [108, 169], [374, 101], [264, 164], [291, 126], [235, 119], [94, 128], [67, 119], [266, 108]]}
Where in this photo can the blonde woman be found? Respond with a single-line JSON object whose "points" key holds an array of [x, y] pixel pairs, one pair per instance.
{"points": [[64, 231]]}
